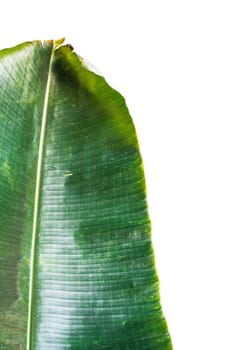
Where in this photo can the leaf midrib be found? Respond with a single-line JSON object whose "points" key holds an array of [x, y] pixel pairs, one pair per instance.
{"points": [[36, 201]]}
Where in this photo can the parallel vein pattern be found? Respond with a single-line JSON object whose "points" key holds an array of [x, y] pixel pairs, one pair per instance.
{"points": [[93, 283], [23, 76]]}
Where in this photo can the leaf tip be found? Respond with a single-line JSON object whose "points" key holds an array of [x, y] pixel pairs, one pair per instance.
{"points": [[55, 43], [58, 43]]}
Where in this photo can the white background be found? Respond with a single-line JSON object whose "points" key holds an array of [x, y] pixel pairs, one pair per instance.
{"points": [[173, 62]]}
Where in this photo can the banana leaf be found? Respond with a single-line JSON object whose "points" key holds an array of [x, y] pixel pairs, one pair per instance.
{"points": [[77, 266]]}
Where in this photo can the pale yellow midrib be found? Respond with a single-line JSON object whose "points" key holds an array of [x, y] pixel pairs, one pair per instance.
{"points": [[36, 202]]}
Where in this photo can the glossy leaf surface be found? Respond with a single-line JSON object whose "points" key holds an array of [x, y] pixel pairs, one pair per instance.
{"points": [[76, 258]]}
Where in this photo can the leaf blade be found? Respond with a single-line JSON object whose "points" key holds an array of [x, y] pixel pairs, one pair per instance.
{"points": [[23, 72], [96, 285]]}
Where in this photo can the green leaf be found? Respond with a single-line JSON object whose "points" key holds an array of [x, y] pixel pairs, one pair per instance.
{"points": [[76, 259]]}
